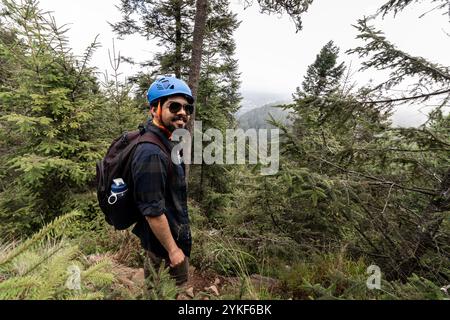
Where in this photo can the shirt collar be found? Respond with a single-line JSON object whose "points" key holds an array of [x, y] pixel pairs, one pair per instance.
{"points": [[161, 135]]}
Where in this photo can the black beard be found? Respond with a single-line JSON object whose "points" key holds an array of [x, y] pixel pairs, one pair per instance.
{"points": [[171, 127]]}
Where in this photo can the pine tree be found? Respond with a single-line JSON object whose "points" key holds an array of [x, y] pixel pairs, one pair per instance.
{"points": [[426, 177], [344, 165], [47, 122], [324, 75], [169, 22], [6, 66], [217, 102], [122, 112], [316, 99]]}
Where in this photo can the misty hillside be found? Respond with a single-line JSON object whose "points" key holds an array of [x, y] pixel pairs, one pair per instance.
{"points": [[258, 118], [255, 99]]}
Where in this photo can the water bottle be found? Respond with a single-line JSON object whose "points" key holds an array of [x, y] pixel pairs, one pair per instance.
{"points": [[118, 190]]}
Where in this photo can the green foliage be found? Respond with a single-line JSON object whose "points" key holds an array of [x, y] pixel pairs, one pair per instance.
{"points": [[347, 178], [218, 251], [323, 76], [327, 276], [161, 286], [55, 121], [146, 18], [121, 111], [416, 288], [294, 8], [44, 268], [383, 55], [336, 276], [94, 236], [47, 109], [54, 228]]}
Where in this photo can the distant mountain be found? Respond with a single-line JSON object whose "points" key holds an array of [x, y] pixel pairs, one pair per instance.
{"points": [[257, 118], [253, 99], [255, 108]]}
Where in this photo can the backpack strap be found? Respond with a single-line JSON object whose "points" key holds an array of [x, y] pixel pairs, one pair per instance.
{"points": [[150, 137]]}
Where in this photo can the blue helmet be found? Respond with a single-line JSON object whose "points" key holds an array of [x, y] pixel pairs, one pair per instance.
{"points": [[168, 86]]}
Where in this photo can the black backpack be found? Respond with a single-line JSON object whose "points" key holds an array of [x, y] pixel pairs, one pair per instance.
{"points": [[122, 212]]}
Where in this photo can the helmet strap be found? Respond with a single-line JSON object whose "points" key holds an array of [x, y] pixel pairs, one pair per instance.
{"points": [[159, 122], [159, 111]]}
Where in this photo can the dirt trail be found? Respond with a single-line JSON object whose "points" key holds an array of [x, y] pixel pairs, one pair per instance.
{"points": [[202, 285], [199, 286]]}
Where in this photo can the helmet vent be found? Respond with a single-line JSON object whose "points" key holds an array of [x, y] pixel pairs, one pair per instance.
{"points": [[172, 87], [163, 84]]}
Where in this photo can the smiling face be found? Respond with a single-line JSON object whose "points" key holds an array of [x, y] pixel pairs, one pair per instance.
{"points": [[172, 121]]}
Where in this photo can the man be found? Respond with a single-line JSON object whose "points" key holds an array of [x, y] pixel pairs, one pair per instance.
{"points": [[159, 184]]}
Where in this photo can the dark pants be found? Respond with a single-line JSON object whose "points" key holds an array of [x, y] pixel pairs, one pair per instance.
{"points": [[179, 273]]}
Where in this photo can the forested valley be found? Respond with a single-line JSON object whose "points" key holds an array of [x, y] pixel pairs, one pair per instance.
{"points": [[354, 197]]}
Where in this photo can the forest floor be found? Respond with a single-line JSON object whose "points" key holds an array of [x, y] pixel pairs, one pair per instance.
{"points": [[202, 285]]}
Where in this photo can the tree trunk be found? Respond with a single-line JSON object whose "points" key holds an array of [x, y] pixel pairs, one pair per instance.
{"points": [[178, 40], [197, 47]]}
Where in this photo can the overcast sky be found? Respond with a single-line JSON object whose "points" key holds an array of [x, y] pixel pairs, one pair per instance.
{"points": [[272, 57]]}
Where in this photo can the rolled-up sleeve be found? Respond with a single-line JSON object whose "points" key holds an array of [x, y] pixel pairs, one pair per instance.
{"points": [[149, 169]]}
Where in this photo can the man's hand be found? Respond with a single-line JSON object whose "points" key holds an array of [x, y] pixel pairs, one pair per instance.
{"points": [[176, 257], [160, 228]]}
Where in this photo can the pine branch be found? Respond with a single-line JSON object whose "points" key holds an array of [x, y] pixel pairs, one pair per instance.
{"points": [[294, 8], [380, 181], [45, 258], [400, 5], [86, 58], [421, 96], [385, 56]]}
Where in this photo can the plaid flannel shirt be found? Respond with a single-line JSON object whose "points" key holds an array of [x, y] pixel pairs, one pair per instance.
{"points": [[160, 188]]}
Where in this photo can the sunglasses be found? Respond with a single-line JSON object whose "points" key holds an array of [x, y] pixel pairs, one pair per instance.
{"points": [[175, 107]]}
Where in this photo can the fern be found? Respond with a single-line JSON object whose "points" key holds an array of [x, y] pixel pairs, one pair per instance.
{"points": [[54, 274], [160, 284], [18, 287], [54, 228], [96, 274], [40, 268]]}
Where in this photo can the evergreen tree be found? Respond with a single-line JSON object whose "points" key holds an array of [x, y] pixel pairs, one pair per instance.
{"points": [[217, 102], [351, 178], [122, 112], [320, 86], [169, 22], [47, 123], [424, 178], [6, 66], [324, 75]]}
